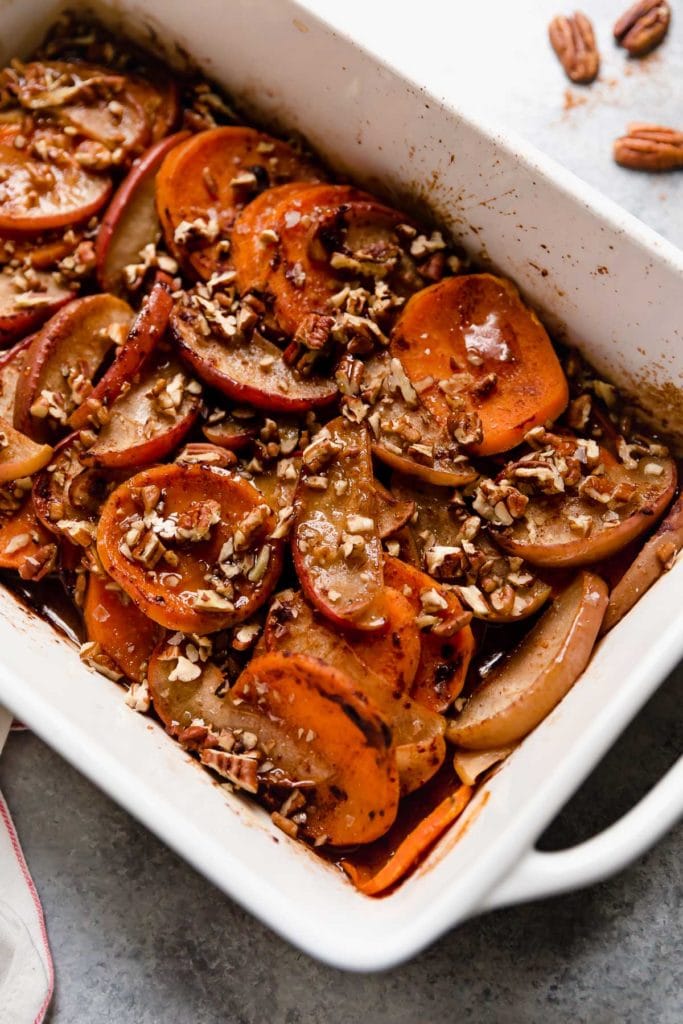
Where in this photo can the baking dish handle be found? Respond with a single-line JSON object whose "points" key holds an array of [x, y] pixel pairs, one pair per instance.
{"points": [[5, 723], [540, 874]]}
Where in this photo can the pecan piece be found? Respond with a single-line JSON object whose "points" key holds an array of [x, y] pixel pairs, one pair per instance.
{"points": [[573, 41], [643, 26], [650, 147]]}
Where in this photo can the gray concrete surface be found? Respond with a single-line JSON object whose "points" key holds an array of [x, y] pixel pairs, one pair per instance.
{"points": [[139, 938]]}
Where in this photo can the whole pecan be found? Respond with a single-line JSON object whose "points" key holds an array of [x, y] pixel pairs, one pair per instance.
{"points": [[573, 41], [650, 147], [643, 26]]}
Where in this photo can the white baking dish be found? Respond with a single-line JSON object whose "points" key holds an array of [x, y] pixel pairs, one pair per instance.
{"points": [[611, 286]]}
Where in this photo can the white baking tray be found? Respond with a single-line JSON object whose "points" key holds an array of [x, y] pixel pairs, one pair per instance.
{"points": [[606, 283]]}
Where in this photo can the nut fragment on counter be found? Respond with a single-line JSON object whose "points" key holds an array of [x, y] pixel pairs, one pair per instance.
{"points": [[650, 147], [643, 26], [573, 41]]}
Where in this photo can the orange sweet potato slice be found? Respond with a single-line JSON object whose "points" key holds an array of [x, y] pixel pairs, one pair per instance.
{"points": [[488, 361], [62, 360], [394, 653], [253, 235], [117, 625], [25, 544], [335, 541], [422, 820], [19, 455], [149, 420], [417, 733], [190, 545], [131, 221], [23, 309], [146, 332], [248, 368], [209, 179], [447, 640]]}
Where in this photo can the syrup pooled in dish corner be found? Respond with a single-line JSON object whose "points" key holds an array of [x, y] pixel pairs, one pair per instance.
{"points": [[325, 500]]}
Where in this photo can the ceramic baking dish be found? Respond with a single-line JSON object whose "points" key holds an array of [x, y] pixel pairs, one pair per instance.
{"points": [[603, 281]]}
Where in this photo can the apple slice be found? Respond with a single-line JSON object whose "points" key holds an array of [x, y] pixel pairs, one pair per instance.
{"points": [[310, 732], [191, 546], [11, 365], [247, 369], [148, 420], [519, 694], [19, 455], [590, 515], [205, 182], [25, 307], [117, 626], [417, 732], [656, 556], [146, 332], [62, 360], [392, 512], [471, 764], [159, 97], [25, 544], [335, 541], [488, 364], [131, 221]]}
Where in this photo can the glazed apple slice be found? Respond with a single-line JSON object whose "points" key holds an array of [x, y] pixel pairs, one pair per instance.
{"points": [[204, 183], [335, 540], [417, 733], [309, 731], [482, 359], [11, 365], [519, 694], [447, 641], [149, 419], [24, 307], [146, 332], [119, 629], [191, 546], [131, 221], [656, 556], [405, 435], [19, 455], [596, 511], [247, 369], [470, 765], [392, 512], [62, 360], [159, 97], [25, 544]]}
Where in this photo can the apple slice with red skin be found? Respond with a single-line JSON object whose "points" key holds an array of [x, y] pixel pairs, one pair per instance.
{"points": [[231, 433], [518, 694], [320, 734], [417, 733], [62, 360], [335, 541], [148, 420], [146, 332], [250, 370], [655, 557], [392, 512], [212, 176], [21, 312], [551, 541], [159, 97], [11, 365], [25, 544], [19, 455], [123, 632], [201, 508], [131, 221]]}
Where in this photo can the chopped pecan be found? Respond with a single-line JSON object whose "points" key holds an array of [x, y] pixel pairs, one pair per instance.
{"points": [[643, 26], [240, 769], [650, 147], [573, 41], [314, 330]]}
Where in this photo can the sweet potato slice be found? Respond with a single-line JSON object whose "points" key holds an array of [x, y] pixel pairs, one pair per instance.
{"points": [[247, 368], [394, 653], [335, 541], [656, 556], [204, 183], [422, 820], [417, 733], [317, 241], [146, 332], [490, 365], [131, 221], [11, 365], [19, 455], [117, 626], [254, 232], [519, 693], [62, 360], [447, 641], [599, 507], [148, 420], [191, 546], [25, 544], [25, 307]]}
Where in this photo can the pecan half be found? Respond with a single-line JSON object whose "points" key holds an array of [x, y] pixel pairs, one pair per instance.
{"points": [[650, 147], [643, 26], [573, 41]]}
